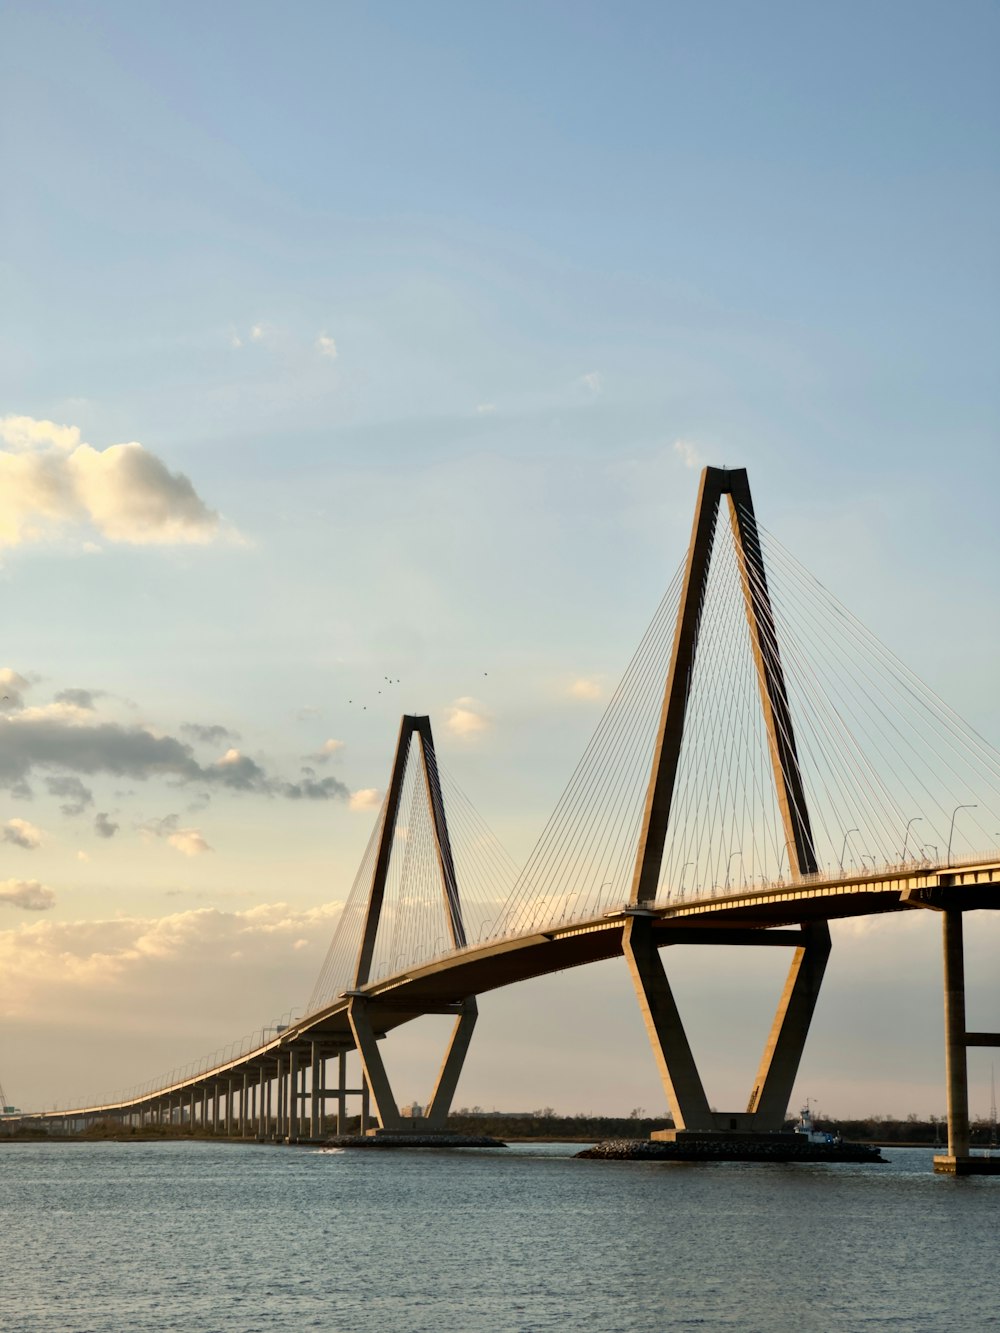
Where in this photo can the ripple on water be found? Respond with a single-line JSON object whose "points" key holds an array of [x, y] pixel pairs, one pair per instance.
{"points": [[125, 1238]]}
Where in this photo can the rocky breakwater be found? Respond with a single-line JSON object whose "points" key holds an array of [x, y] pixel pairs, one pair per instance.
{"points": [[414, 1140], [719, 1148]]}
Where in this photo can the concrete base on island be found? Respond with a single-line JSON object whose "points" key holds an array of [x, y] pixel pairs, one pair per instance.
{"points": [[691, 1146], [967, 1166], [404, 1138]]}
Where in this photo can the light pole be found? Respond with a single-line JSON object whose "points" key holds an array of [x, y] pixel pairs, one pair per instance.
{"points": [[680, 889], [729, 867], [917, 819], [843, 850], [952, 829]]}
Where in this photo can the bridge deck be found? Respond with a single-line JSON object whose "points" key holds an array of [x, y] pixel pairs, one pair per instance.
{"points": [[758, 916]]}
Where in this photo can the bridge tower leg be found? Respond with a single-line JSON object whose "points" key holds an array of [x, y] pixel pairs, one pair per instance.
{"points": [[363, 1009], [956, 1062], [960, 1160], [769, 1100]]}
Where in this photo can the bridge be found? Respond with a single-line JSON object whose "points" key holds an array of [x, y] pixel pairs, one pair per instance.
{"points": [[761, 770]]}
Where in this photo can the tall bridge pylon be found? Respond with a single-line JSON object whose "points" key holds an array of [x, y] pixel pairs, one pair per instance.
{"points": [[768, 1102], [363, 1021]]}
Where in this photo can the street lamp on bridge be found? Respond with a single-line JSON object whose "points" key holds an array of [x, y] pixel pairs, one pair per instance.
{"points": [[952, 829], [843, 850], [729, 867], [917, 819]]}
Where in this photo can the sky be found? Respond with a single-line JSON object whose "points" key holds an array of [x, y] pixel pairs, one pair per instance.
{"points": [[349, 343]]}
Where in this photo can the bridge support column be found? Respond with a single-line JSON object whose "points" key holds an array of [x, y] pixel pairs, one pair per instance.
{"points": [[780, 1063], [375, 1076], [279, 1099], [451, 1067], [342, 1093], [678, 1072], [293, 1095], [315, 1080], [956, 1063]]}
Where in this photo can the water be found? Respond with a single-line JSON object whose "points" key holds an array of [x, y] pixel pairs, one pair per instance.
{"points": [[116, 1238]]}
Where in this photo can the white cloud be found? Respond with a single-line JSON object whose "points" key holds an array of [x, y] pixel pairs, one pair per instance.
{"points": [[368, 798], [189, 841], [593, 381], [258, 333], [27, 433], [12, 686], [326, 346], [58, 962], [27, 894], [585, 689], [21, 834], [51, 482], [688, 453], [466, 718], [486, 409], [326, 751]]}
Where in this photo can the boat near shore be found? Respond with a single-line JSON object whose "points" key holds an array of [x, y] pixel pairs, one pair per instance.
{"points": [[803, 1143]]}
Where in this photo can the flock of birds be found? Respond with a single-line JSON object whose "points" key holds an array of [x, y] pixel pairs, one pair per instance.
{"points": [[388, 680]]}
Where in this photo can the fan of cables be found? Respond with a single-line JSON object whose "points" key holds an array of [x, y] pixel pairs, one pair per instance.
{"points": [[890, 773], [414, 922]]}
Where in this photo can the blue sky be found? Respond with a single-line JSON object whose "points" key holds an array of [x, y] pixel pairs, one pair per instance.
{"points": [[439, 308]]}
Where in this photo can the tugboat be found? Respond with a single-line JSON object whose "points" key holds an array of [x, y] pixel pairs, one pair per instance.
{"points": [[807, 1129]]}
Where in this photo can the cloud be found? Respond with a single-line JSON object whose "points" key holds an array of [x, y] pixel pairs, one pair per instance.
{"points": [[585, 689], [82, 856], [212, 734], [27, 894], [466, 718], [189, 841], [22, 834], [368, 798], [64, 737], [326, 346], [52, 482], [257, 333], [12, 686], [593, 381], [688, 453], [104, 827], [311, 788], [79, 698], [239, 771], [325, 751], [73, 964], [76, 797], [486, 409]]}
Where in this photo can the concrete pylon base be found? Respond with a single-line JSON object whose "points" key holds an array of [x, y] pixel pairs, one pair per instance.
{"points": [[967, 1166], [413, 1139]]}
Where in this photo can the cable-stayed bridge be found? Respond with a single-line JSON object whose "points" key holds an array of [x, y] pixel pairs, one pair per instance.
{"points": [[764, 766]]}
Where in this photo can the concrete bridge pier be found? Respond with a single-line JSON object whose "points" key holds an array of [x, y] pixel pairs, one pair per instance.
{"points": [[959, 1160]]}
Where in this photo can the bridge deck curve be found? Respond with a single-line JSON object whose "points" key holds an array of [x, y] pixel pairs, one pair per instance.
{"points": [[757, 916]]}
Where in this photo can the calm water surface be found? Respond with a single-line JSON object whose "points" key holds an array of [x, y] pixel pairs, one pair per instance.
{"points": [[110, 1238]]}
